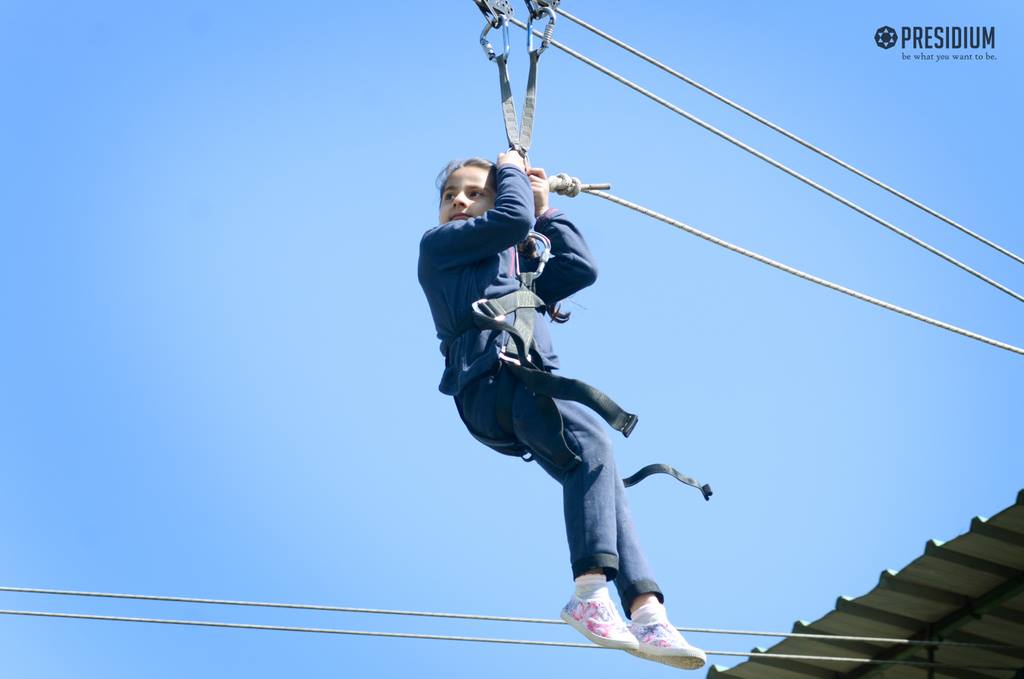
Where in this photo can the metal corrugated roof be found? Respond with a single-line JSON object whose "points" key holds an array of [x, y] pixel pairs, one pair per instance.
{"points": [[968, 590]]}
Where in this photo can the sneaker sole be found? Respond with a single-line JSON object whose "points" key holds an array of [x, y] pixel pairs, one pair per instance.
{"points": [[630, 646], [683, 662]]}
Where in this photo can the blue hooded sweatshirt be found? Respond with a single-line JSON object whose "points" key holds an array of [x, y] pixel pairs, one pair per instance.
{"points": [[469, 259]]}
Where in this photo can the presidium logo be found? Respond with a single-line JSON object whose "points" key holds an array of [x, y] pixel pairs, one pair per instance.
{"points": [[885, 37], [937, 37]]}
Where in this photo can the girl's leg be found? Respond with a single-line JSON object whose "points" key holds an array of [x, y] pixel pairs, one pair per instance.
{"points": [[598, 523], [635, 583]]}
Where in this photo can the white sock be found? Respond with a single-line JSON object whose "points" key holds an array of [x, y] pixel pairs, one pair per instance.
{"points": [[650, 614], [592, 586]]}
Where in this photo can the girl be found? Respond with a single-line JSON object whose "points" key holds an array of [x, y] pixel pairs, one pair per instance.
{"points": [[481, 246]]}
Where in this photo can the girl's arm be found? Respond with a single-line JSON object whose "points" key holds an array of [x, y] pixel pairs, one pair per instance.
{"points": [[465, 241], [572, 266]]}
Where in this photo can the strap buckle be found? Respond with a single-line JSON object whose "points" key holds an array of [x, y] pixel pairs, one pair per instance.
{"points": [[629, 425], [505, 357], [489, 309]]}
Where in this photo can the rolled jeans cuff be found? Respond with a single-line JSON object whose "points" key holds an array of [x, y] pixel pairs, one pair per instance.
{"points": [[635, 589], [609, 563]]}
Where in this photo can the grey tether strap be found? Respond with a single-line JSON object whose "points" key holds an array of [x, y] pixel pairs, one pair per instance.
{"points": [[497, 13], [508, 104], [529, 105]]}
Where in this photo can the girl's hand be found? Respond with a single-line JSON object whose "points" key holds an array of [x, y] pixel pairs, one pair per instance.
{"points": [[511, 157], [539, 184]]}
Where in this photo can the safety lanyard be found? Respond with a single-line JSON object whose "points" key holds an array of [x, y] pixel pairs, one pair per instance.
{"points": [[497, 13]]}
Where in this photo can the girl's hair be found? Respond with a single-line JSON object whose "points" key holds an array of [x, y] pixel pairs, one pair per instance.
{"points": [[483, 163], [527, 248]]}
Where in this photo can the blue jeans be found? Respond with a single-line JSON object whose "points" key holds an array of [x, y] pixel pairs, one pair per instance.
{"points": [[598, 523]]}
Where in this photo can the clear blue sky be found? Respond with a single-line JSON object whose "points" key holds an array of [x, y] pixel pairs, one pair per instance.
{"points": [[218, 373]]}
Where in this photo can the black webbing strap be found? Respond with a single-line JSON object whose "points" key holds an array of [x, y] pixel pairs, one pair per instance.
{"points": [[486, 313], [650, 469], [546, 386], [568, 389], [564, 459]]}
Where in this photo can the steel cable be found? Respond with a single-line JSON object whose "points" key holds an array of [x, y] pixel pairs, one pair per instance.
{"points": [[484, 640], [494, 618], [806, 276], [786, 133], [774, 163]]}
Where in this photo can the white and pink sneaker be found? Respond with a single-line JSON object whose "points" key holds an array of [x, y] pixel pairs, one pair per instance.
{"points": [[598, 620], [661, 642]]}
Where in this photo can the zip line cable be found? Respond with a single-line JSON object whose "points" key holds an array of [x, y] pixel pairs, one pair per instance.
{"points": [[774, 163], [806, 276], [786, 133], [494, 618], [571, 186], [486, 640]]}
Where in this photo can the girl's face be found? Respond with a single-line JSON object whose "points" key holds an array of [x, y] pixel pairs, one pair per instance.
{"points": [[466, 194]]}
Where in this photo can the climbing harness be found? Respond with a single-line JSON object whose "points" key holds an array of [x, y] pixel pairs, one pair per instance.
{"points": [[516, 367], [493, 314], [498, 14]]}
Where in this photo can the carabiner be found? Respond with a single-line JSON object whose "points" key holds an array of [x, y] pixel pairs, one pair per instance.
{"points": [[541, 246], [506, 38], [486, 44], [548, 30]]}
